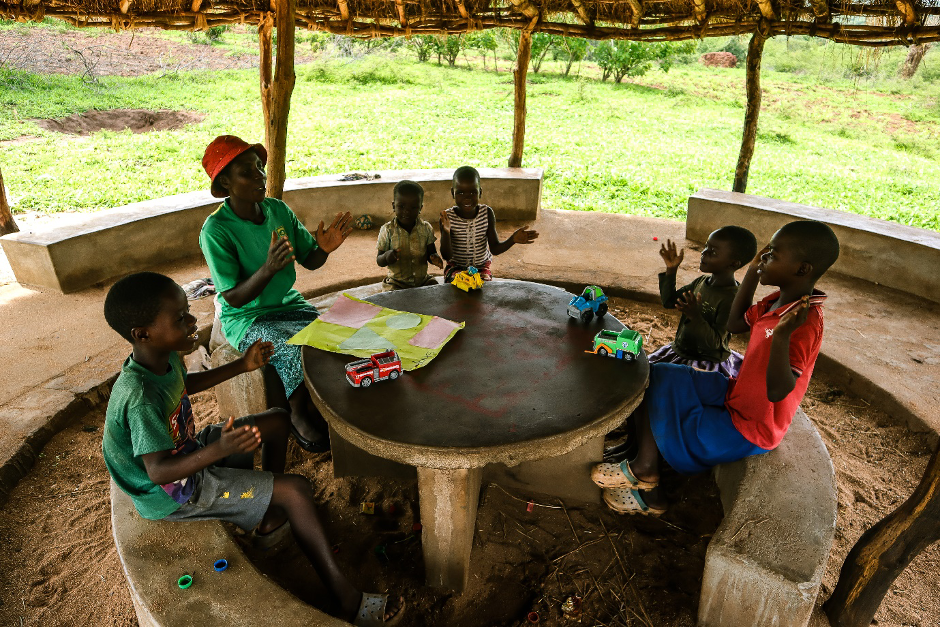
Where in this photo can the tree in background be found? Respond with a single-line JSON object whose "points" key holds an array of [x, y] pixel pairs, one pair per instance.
{"points": [[542, 44], [449, 47], [573, 50], [424, 45], [622, 58]]}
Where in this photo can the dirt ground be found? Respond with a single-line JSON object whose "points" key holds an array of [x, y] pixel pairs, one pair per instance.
{"points": [[59, 565], [92, 53]]}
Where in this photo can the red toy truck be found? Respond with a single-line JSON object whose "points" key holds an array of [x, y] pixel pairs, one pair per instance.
{"points": [[363, 372]]}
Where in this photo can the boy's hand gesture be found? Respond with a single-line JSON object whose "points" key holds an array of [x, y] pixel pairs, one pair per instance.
{"points": [[690, 304], [792, 320], [280, 253], [436, 261], [257, 355], [242, 440], [445, 222], [329, 239], [670, 256], [757, 260], [392, 255], [522, 236]]}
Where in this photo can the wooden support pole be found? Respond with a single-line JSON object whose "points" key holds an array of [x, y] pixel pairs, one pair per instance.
{"points": [[883, 552], [7, 223], [752, 107], [519, 101], [276, 91]]}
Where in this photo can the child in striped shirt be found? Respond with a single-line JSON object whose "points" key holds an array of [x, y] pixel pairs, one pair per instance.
{"points": [[468, 229]]}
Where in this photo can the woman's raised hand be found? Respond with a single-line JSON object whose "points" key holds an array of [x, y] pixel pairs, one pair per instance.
{"points": [[280, 253], [329, 239]]}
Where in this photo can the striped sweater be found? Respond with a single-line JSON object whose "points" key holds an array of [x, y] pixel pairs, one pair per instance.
{"points": [[469, 245]]}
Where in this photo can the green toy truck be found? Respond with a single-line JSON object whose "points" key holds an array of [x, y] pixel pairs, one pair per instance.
{"points": [[625, 344]]}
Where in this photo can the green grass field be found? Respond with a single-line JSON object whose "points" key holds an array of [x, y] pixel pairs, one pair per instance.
{"points": [[837, 130]]}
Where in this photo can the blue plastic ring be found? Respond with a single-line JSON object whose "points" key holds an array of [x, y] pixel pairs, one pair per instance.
{"points": [[221, 565]]}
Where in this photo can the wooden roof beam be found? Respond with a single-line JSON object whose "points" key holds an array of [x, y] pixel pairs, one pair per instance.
{"points": [[344, 10], [907, 10], [527, 8], [400, 8], [462, 9], [821, 9], [637, 12], [195, 6], [767, 11], [582, 13], [699, 10], [124, 6]]}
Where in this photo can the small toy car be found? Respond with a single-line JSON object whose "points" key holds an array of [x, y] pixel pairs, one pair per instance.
{"points": [[591, 302], [363, 372], [625, 344], [468, 280]]}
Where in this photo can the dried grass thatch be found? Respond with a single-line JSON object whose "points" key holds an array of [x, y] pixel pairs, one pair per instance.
{"points": [[861, 22]]}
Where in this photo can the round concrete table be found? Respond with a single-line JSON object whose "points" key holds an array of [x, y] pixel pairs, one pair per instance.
{"points": [[513, 390]]}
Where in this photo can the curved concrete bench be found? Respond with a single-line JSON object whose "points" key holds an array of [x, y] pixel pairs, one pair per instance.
{"points": [[155, 554], [68, 257], [765, 563]]}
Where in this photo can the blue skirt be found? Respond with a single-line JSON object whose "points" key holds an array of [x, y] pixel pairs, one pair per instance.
{"points": [[278, 328], [689, 421]]}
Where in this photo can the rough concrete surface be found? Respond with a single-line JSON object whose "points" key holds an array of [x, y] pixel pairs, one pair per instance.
{"points": [[66, 257], [155, 554], [765, 563]]}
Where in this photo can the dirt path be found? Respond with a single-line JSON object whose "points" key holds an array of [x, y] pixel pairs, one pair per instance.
{"points": [[60, 566], [100, 52]]}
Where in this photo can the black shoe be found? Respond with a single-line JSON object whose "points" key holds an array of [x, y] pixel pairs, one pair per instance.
{"points": [[320, 445], [618, 452]]}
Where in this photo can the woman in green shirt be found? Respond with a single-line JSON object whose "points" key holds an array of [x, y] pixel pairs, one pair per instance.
{"points": [[250, 244]]}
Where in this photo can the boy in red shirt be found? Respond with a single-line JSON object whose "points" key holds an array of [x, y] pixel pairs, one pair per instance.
{"points": [[694, 419]]}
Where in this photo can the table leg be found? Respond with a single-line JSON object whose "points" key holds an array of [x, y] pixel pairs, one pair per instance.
{"points": [[448, 506]]}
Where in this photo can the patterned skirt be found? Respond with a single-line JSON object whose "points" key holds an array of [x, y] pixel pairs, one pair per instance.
{"points": [[666, 355], [277, 328]]}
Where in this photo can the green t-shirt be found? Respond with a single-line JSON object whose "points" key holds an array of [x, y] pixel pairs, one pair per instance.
{"points": [[235, 249], [148, 413]]}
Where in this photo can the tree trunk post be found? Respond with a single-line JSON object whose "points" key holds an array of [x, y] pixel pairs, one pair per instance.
{"points": [[276, 91], [519, 101], [752, 107], [915, 54], [7, 223], [883, 552]]}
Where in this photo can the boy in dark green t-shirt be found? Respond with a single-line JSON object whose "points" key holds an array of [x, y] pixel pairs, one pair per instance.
{"points": [[170, 472]]}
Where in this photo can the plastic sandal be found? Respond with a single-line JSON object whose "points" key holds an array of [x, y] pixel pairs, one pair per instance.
{"points": [[629, 501], [608, 475], [372, 609]]}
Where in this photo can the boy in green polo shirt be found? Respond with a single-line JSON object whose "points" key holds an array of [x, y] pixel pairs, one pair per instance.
{"points": [[154, 454]]}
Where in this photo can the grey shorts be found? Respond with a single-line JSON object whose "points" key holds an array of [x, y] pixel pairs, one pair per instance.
{"points": [[230, 490]]}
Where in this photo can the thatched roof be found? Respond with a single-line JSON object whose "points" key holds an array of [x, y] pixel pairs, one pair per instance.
{"points": [[864, 22]]}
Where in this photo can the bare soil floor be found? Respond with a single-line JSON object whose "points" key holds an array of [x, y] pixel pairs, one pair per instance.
{"points": [[58, 565]]}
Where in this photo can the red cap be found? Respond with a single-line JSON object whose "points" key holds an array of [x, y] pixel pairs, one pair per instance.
{"points": [[221, 152]]}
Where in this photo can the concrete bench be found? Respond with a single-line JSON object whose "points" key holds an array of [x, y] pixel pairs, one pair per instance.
{"points": [[107, 244], [887, 253], [155, 554], [765, 563]]}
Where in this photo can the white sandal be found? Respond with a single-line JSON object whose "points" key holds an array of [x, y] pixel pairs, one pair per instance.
{"points": [[608, 475], [372, 610], [628, 501]]}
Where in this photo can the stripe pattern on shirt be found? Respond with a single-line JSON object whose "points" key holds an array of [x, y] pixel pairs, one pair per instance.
{"points": [[469, 245]]}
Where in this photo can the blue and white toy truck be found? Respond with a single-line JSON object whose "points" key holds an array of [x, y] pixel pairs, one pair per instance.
{"points": [[592, 302]]}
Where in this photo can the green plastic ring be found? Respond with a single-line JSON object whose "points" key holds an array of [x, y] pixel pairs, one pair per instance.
{"points": [[185, 582]]}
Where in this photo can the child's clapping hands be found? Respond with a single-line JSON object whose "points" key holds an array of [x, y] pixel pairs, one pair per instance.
{"points": [[242, 440], [257, 355]]}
